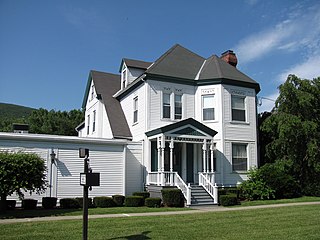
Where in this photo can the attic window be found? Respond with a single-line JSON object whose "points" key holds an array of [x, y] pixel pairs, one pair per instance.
{"points": [[92, 92]]}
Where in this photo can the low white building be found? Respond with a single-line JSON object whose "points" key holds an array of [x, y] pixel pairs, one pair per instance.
{"points": [[195, 117]]}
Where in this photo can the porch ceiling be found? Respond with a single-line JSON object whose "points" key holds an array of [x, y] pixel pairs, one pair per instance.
{"points": [[183, 128]]}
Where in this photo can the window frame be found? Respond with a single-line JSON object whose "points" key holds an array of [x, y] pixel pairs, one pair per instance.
{"points": [[92, 92], [88, 124], [167, 105], [239, 158], [234, 109], [176, 115], [211, 107], [135, 110], [94, 121], [124, 78]]}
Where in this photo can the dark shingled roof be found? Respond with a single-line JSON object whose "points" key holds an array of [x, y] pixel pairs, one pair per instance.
{"points": [[107, 84], [177, 62], [131, 63]]}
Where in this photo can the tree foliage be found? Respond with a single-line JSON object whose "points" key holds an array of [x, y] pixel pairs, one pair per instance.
{"points": [[21, 172], [294, 129]]}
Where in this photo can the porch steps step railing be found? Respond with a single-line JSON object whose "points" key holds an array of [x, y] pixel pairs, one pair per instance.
{"points": [[199, 196]]}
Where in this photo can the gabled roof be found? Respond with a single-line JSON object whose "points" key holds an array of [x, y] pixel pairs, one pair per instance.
{"points": [[131, 63], [187, 130], [107, 84], [177, 62]]}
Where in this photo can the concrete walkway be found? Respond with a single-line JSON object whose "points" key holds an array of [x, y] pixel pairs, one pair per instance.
{"points": [[198, 209]]}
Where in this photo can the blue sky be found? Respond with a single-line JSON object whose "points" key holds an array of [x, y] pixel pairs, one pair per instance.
{"points": [[48, 47]]}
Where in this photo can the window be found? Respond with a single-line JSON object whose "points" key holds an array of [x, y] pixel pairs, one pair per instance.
{"points": [[238, 108], [94, 121], [239, 157], [166, 106], [208, 107], [177, 106], [135, 110], [88, 125], [124, 78], [92, 92]]}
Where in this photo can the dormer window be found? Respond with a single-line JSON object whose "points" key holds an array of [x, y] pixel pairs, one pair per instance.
{"points": [[92, 92], [124, 78]]}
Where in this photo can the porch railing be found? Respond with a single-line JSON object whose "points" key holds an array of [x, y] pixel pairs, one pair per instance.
{"points": [[205, 180], [170, 179]]}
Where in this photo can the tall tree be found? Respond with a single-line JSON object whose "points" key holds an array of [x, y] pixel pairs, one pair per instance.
{"points": [[20, 172], [294, 128]]}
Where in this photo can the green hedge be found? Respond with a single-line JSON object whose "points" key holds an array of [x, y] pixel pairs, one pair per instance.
{"points": [[134, 201], [49, 202], [228, 200], [80, 201], [29, 204], [69, 203], [172, 197], [142, 194], [118, 199], [11, 204], [153, 202], [103, 202]]}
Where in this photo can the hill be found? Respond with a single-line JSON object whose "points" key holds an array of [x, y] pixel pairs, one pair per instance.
{"points": [[14, 111]]}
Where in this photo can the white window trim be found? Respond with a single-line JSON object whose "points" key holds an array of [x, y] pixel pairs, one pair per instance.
{"points": [[135, 99], [247, 152], [88, 124], [172, 106], [246, 122], [124, 78], [214, 107], [94, 121]]}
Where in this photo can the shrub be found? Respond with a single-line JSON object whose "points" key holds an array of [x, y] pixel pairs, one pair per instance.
{"points": [[134, 201], [142, 194], [256, 190], [153, 202], [118, 199], [228, 200], [69, 203], [11, 204], [104, 202], [80, 201], [29, 204], [49, 202], [172, 197]]}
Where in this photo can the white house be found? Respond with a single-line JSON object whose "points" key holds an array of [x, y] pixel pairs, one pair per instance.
{"points": [[195, 117]]}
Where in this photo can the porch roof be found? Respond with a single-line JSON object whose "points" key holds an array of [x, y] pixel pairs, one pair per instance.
{"points": [[179, 125]]}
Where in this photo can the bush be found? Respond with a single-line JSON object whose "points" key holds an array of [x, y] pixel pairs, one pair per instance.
{"points": [[103, 202], [228, 200], [142, 194], [49, 202], [172, 197], [28, 204], [134, 201], [69, 203], [153, 202], [80, 201], [118, 199], [11, 204]]}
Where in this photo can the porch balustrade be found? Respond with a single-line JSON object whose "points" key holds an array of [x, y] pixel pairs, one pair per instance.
{"points": [[207, 181]]}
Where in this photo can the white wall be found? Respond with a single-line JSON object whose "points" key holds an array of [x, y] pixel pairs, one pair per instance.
{"points": [[133, 73]]}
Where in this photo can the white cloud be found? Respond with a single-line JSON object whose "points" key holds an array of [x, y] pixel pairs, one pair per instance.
{"points": [[299, 31], [308, 69]]}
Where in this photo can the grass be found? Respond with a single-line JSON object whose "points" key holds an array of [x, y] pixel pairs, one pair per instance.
{"points": [[293, 222], [20, 213], [278, 201]]}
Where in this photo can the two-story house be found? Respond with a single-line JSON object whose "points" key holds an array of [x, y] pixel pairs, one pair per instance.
{"points": [[195, 117]]}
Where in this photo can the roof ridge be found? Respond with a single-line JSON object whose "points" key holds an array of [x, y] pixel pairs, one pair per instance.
{"points": [[199, 72]]}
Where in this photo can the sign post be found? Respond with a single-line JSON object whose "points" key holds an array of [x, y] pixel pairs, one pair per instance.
{"points": [[87, 179]]}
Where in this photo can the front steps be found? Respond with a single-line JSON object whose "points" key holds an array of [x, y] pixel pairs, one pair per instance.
{"points": [[199, 196]]}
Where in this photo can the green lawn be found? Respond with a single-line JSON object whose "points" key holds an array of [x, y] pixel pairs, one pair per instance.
{"points": [[293, 222], [278, 201], [20, 213]]}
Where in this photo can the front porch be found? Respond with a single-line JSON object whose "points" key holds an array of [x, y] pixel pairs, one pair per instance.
{"points": [[183, 155]]}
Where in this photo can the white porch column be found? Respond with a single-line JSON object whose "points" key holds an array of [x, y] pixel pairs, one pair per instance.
{"points": [[204, 148], [163, 145], [212, 155], [159, 153], [171, 154]]}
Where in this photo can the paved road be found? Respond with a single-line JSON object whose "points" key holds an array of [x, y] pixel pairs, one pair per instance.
{"points": [[198, 209]]}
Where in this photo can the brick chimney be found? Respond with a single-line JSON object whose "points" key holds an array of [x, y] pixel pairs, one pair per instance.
{"points": [[229, 57]]}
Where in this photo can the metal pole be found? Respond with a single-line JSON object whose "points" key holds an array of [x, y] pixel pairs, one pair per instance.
{"points": [[85, 204]]}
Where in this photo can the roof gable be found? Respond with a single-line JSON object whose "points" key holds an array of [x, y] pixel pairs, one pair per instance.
{"points": [[131, 63], [187, 127], [177, 62]]}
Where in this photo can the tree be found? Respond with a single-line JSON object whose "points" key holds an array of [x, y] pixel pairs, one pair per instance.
{"points": [[20, 172], [294, 128]]}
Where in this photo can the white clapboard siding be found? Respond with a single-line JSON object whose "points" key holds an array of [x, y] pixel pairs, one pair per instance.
{"points": [[108, 163], [134, 169]]}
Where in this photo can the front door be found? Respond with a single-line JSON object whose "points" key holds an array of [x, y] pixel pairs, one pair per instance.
{"points": [[190, 170]]}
